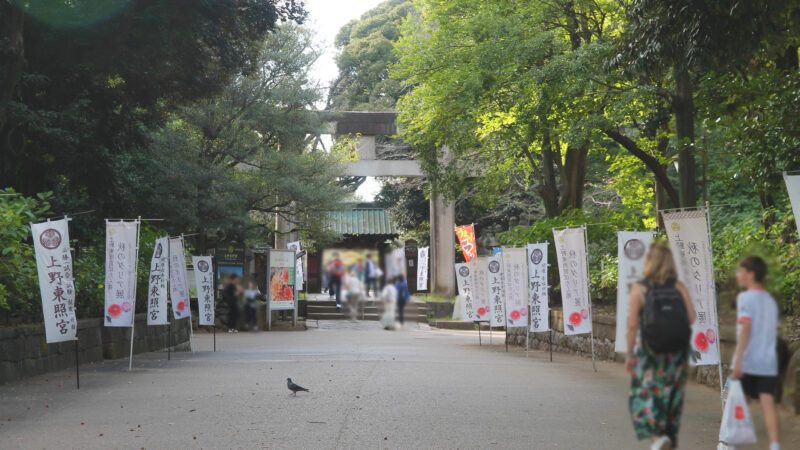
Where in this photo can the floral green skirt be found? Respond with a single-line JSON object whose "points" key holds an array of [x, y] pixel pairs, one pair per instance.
{"points": [[657, 390]]}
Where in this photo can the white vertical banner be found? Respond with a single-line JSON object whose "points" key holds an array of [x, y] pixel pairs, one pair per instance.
{"points": [[480, 288], [157, 289], [204, 282], [298, 265], [574, 275], [120, 288], [56, 285], [497, 299], [631, 250], [515, 286], [465, 286], [422, 268], [178, 284], [793, 186], [688, 235], [538, 299]]}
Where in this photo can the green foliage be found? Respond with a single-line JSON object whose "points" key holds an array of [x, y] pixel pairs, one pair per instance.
{"points": [[367, 52], [18, 279], [778, 245]]}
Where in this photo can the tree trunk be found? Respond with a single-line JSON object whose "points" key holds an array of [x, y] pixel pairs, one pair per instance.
{"points": [[548, 189], [683, 107], [573, 178]]}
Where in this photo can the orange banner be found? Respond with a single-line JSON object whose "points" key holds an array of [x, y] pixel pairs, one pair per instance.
{"points": [[466, 239]]}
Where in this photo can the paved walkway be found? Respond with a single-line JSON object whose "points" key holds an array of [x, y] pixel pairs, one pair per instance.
{"points": [[415, 388]]}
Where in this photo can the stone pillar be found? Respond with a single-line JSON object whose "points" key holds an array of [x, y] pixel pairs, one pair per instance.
{"points": [[443, 257], [284, 237]]}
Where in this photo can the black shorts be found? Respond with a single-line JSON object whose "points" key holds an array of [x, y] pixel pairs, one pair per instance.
{"points": [[753, 385]]}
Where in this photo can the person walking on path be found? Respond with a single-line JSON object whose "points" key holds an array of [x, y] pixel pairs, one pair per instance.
{"points": [[755, 360], [389, 301], [658, 377], [353, 293], [371, 275], [335, 274], [231, 295], [403, 296], [251, 294]]}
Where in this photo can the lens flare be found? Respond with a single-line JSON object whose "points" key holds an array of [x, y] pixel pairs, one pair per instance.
{"points": [[71, 13]]}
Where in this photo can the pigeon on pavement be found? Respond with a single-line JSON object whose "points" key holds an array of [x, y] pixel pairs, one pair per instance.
{"points": [[294, 388]]}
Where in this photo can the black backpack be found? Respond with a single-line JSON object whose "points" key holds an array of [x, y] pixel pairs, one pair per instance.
{"points": [[664, 321]]}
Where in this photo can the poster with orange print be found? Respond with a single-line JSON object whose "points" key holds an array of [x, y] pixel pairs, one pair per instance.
{"points": [[466, 239], [281, 280]]}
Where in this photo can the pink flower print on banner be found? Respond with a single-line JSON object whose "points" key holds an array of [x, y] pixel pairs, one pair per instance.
{"points": [[126, 306], [515, 315], [584, 314], [575, 318], [712, 337], [114, 310], [181, 306], [481, 311], [701, 342], [524, 312]]}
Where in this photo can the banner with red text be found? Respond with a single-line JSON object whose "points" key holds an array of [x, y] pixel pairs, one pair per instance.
{"points": [[204, 282], [538, 300], [631, 250], [298, 265], [688, 236], [480, 288], [56, 285], [120, 290], [574, 275], [515, 286], [466, 239], [497, 298], [157, 295], [464, 283], [178, 280]]}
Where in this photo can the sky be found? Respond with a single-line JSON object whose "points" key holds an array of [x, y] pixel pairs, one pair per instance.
{"points": [[326, 17]]}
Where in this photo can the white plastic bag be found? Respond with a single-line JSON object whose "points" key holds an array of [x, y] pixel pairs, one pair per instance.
{"points": [[737, 423]]}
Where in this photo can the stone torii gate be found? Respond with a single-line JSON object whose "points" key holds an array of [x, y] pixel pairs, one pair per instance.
{"points": [[368, 125]]}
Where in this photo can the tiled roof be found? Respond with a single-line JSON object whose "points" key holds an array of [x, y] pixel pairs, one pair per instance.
{"points": [[362, 221]]}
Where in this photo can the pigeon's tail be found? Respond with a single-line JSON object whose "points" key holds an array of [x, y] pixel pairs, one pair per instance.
{"points": [[302, 389]]}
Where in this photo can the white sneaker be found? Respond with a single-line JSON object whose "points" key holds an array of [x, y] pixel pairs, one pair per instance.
{"points": [[662, 443], [339, 306]]}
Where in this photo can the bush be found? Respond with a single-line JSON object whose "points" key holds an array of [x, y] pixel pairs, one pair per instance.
{"points": [[602, 248], [18, 279], [19, 283]]}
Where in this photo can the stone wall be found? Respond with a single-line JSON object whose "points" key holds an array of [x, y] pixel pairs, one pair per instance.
{"points": [[605, 336], [439, 310], [24, 351]]}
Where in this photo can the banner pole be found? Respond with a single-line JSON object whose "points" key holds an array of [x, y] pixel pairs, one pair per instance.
{"points": [[215, 337], [480, 344], [77, 365], [169, 341], [528, 333], [589, 295], [135, 280], [490, 332], [191, 329], [716, 314]]}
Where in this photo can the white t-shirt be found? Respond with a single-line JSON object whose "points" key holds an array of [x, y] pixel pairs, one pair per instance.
{"points": [[761, 356]]}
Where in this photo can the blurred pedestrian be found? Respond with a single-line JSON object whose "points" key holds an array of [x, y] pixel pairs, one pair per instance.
{"points": [[353, 293], [755, 361], [389, 303], [660, 315], [251, 296], [403, 296], [335, 274], [371, 276], [231, 294]]}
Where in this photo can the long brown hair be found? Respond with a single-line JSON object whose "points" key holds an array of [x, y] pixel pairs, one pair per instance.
{"points": [[659, 266]]}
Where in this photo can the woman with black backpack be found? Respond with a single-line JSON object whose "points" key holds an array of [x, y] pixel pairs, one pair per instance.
{"points": [[660, 314]]}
